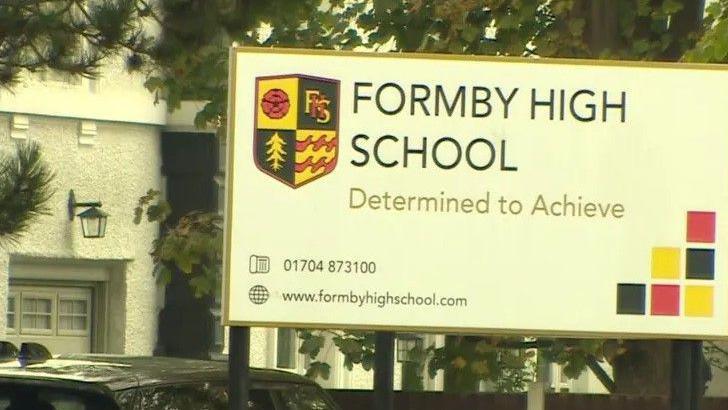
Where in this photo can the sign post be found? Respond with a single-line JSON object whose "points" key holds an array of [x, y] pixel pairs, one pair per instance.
{"points": [[239, 368], [384, 371]]}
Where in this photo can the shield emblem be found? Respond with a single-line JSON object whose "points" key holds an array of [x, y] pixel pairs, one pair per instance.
{"points": [[296, 131]]}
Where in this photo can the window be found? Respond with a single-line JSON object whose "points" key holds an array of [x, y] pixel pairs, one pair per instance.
{"points": [[36, 316], [218, 329], [31, 396], [52, 311], [11, 318], [192, 397], [73, 316], [286, 349]]}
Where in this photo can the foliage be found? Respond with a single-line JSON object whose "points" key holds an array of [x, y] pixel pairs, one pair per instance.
{"points": [[713, 46], [68, 35], [193, 245], [469, 360], [25, 188], [357, 348], [190, 62], [716, 355]]}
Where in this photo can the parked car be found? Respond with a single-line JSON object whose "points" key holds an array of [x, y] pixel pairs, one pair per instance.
{"points": [[32, 380]]}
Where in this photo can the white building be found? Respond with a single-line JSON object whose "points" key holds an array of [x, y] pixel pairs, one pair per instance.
{"points": [[101, 138]]}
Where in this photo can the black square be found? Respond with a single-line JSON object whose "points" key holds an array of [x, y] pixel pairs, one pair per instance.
{"points": [[700, 264], [631, 299]]}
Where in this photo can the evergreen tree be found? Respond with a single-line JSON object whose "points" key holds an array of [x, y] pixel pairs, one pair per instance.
{"points": [[72, 36], [25, 188], [276, 152]]}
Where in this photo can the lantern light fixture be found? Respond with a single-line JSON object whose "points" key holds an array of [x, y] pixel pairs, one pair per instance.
{"points": [[93, 220]]}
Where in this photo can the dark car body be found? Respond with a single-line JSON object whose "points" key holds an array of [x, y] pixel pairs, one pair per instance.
{"points": [[101, 382]]}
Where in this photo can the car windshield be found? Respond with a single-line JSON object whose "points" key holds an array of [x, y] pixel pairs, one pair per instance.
{"points": [[18, 396]]}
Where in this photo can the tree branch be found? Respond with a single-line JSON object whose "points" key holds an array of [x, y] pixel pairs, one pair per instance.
{"points": [[598, 371]]}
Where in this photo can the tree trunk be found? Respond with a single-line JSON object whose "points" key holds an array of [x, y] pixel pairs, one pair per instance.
{"points": [[645, 369], [684, 23]]}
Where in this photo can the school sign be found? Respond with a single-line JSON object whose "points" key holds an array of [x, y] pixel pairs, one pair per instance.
{"points": [[463, 194]]}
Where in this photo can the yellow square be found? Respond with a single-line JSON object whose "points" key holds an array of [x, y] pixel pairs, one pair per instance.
{"points": [[666, 263], [699, 301], [286, 98]]}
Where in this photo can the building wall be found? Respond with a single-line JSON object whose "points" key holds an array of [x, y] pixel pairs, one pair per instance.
{"points": [[116, 166]]}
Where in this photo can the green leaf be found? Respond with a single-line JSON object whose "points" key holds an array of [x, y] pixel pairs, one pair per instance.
{"points": [[184, 262], [349, 346], [367, 362], [671, 6], [159, 212], [201, 285], [348, 364], [720, 48], [154, 83], [164, 275], [312, 346], [318, 370]]}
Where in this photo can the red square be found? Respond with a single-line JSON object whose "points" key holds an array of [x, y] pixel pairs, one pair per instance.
{"points": [[701, 227], [666, 300]]}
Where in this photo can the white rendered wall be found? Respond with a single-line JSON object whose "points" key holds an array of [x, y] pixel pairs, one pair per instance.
{"points": [[115, 96], [123, 162]]}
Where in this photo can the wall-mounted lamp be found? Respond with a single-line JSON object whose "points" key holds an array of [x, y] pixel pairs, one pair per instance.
{"points": [[93, 220]]}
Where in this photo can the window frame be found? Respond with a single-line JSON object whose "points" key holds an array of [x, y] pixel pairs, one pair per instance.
{"points": [[12, 328], [292, 353], [86, 297], [22, 330]]}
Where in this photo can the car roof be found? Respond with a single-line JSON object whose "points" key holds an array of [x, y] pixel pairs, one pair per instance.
{"points": [[117, 372]]}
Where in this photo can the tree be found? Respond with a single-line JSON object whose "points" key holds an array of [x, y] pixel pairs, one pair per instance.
{"points": [[276, 152], [25, 188], [68, 35], [712, 47]]}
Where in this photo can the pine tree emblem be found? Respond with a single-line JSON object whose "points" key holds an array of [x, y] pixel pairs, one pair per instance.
{"points": [[276, 152]]}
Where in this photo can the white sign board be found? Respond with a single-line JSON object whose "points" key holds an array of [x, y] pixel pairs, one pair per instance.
{"points": [[472, 195]]}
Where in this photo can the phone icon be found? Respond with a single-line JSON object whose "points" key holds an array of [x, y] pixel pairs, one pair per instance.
{"points": [[259, 264]]}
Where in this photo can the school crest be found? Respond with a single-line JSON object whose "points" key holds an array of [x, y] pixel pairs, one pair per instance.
{"points": [[297, 124]]}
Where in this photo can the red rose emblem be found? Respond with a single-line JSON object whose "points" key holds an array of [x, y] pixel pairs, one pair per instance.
{"points": [[275, 103]]}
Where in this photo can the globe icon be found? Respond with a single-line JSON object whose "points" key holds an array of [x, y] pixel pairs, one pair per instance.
{"points": [[258, 294]]}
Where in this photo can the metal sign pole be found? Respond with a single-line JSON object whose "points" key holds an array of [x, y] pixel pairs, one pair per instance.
{"points": [[687, 375], [384, 371], [239, 368]]}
